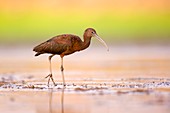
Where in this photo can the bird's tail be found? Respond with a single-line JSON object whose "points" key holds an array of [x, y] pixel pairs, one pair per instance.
{"points": [[37, 54], [37, 49]]}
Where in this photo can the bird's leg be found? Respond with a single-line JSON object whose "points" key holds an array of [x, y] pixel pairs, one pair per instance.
{"points": [[62, 71], [50, 75]]}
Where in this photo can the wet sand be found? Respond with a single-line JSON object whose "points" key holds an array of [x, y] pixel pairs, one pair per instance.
{"points": [[127, 79]]}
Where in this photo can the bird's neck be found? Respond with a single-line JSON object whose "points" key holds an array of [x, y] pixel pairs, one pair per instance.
{"points": [[86, 42]]}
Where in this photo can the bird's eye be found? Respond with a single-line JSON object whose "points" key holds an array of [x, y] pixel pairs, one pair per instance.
{"points": [[92, 32]]}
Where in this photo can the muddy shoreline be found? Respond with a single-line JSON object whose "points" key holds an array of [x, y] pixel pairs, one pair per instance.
{"points": [[125, 80]]}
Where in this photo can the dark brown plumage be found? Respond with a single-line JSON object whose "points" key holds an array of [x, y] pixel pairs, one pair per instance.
{"points": [[64, 45]]}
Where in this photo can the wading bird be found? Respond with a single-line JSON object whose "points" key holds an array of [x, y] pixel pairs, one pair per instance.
{"points": [[66, 44]]}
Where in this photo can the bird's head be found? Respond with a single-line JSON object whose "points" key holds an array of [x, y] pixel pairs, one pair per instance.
{"points": [[90, 32]]}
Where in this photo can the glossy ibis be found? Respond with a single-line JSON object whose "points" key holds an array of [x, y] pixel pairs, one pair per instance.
{"points": [[65, 44]]}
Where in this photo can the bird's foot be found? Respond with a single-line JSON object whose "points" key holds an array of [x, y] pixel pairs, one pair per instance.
{"points": [[64, 85], [50, 76]]}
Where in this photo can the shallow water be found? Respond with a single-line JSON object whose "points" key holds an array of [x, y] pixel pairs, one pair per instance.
{"points": [[127, 79]]}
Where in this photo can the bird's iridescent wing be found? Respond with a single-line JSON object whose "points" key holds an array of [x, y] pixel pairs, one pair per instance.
{"points": [[55, 45]]}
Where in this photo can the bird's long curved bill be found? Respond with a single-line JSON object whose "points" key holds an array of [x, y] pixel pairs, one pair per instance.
{"points": [[96, 36]]}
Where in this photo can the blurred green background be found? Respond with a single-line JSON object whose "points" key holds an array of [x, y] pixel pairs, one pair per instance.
{"points": [[116, 21]]}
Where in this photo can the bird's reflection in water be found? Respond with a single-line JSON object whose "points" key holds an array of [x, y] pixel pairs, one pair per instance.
{"points": [[50, 99], [51, 91], [62, 101]]}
